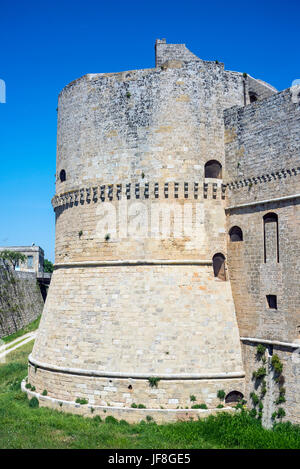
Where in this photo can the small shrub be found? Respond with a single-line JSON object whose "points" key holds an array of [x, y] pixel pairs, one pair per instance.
{"points": [[255, 398], [280, 400], [97, 419], [280, 413], [111, 419], [253, 413], [28, 386], [276, 364], [192, 398], [260, 373], [92, 410], [123, 422], [153, 382], [141, 406], [107, 237], [245, 75], [33, 388], [199, 406], [241, 404], [128, 95], [274, 415], [263, 389], [133, 405], [260, 405], [80, 233], [149, 418], [143, 175], [81, 401], [33, 403], [60, 404], [260, 351], [220, 406], [221, 394], [263, 392], [45, 392]]}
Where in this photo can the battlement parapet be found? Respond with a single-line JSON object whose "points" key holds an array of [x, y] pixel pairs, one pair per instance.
{"points": [[147, 190], [263, 178]]}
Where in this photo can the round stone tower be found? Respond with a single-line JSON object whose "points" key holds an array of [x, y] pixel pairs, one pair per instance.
{"points": [[138, 314]]}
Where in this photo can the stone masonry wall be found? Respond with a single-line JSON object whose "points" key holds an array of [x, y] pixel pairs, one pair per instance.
{"points": [[165, 52], [128, 305], [262, 149], [263, 163], [117, 392], [178, 323], [263, 176], [291, 382], [260, 89], [21, 301]]}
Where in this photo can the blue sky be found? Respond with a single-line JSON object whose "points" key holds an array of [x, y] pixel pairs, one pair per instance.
{"points": [[45, 45]]}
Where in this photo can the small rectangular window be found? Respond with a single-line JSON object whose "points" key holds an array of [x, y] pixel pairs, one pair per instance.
{"points": [[29, 262], [272, 301]]}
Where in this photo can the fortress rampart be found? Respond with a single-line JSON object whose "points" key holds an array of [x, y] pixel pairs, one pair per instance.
{"points": [[145, 198]]}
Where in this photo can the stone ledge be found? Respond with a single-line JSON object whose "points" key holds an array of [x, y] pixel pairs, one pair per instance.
{"points": [[266, 201], [271, 342], [132, 415], [142, 262], [111, 374]]}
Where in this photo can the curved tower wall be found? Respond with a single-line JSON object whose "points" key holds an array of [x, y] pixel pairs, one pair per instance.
{"points": [[127, 303]]}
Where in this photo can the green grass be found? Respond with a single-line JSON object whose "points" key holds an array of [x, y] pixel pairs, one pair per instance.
{"points": [[29, 328], [22, 426]]}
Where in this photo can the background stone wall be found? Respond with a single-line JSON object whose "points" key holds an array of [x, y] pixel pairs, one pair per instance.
{"points": [[21, 301], [262, 149], [263, 165]]}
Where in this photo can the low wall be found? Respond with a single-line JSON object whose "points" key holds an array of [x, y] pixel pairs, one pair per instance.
{"points": [[125, 413]]}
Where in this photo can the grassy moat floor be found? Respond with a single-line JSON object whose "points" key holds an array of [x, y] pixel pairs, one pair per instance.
{"points": [[29, 328], [24, 427]]}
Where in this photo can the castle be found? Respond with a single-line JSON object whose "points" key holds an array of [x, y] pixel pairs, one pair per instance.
{"points": [[177, 245]]}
